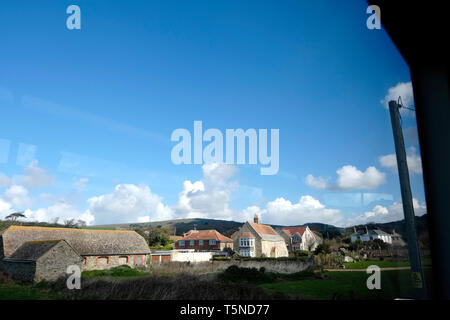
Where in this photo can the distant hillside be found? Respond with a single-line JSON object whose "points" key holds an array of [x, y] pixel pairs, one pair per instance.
{"points": [[398, 226], [225, 227]]}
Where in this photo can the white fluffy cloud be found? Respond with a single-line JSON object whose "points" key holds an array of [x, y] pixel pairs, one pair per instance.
{"points": [[381, 214], [127, 203], [208, 198], [316, 183], [412, 158], [402, 89], [60, 211], [350, 178], [17, 196], [306, 210]]}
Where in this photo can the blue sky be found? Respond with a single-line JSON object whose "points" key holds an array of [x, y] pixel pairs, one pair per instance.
{"points": [[86, 115]]}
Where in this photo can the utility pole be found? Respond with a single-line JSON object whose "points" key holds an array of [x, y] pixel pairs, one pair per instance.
{"points": [[418, 279]]}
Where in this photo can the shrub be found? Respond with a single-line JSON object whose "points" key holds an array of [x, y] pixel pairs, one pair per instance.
{"points": [[237, 274], [322, 248]]}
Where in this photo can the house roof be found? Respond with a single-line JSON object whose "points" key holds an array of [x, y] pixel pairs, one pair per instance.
{"points": [[33, 250], [83, 241], [266, 232], [206, 235], [379, 232], [290, 231]]}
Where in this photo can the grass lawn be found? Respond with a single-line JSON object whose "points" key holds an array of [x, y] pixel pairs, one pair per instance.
{"points": [[382, 264], [117, 272], [13, 291], [348, 285]]}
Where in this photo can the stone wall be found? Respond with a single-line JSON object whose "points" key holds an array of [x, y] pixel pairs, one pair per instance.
{"points": [[106, 262], [22, 271], [280, 249], [53, 264]]}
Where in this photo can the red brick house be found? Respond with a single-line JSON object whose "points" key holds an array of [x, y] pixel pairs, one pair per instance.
{"points": [[204, 240]]}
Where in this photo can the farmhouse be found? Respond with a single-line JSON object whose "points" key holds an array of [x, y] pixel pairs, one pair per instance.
{"points": [[44, 253], [300, 238], [258, 240], [371, 235], [204, 240]]}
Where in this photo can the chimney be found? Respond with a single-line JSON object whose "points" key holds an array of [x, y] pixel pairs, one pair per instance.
{"points": [[256, 218], [367, 231], [354, 229]]}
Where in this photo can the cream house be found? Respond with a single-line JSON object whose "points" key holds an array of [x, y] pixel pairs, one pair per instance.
{"points": [[300, 238], [258, 240]]}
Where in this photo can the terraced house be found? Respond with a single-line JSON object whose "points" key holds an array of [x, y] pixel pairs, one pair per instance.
{"points": [[204, 240], [41, 253]]}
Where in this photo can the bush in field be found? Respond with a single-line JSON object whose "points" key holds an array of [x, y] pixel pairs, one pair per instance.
{"points": [[237, 274], [329, 260], [323, 248]]}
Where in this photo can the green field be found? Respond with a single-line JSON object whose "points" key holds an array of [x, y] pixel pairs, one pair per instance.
{"points": [[382, 264], [13, 291], [347, 285]]}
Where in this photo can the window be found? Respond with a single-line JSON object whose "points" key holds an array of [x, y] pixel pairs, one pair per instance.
{"points": [[200, 242], [246, 242], [212, 242], [138, 261], [192, 242], [181, 243], [247, 252]]}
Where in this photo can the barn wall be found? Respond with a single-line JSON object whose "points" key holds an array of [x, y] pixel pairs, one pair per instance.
{"points": [[54, 263], [22, 271], [107, 262]]}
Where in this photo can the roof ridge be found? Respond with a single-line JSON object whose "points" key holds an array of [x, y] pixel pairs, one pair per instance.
{"points": [[65, 229]]}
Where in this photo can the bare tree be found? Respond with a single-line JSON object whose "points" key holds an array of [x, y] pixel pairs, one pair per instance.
{"points": [[81, 223], [70, 223]]}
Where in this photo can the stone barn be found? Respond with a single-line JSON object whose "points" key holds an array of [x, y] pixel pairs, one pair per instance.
{"points": [[47, 260], [97, 249]]}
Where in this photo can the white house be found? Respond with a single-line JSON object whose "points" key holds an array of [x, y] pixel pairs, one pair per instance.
{"points": [[371, 235]]}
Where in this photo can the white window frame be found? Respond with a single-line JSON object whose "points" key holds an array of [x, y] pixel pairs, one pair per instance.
{"points": [[246, 242]]}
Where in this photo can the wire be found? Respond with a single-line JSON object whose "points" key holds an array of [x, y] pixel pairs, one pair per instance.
{"points": [[400, 104]]}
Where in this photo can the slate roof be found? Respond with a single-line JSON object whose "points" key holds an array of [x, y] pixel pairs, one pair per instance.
{"points": [[83, 241], [33, 250]]}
